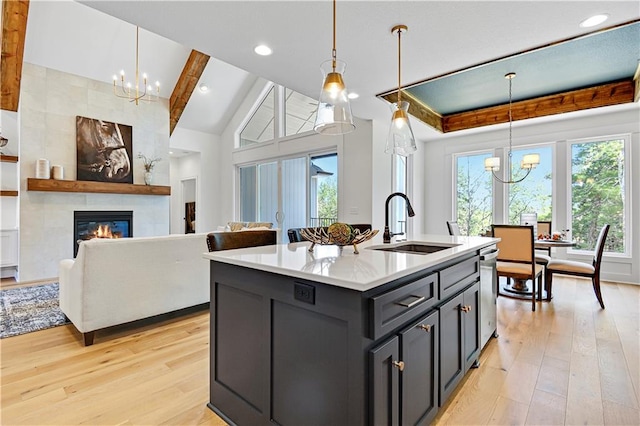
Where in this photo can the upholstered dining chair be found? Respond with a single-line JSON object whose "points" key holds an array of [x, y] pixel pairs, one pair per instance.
{"points": [[580, 269], [544, 227], [516, 256], [240, 239], [453, 228]]}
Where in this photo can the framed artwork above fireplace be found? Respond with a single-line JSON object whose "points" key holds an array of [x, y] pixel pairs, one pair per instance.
{"points": [[104, 151]]}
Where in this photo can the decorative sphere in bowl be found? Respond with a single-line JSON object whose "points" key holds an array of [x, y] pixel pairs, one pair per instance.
{"points": [[341, 233]]}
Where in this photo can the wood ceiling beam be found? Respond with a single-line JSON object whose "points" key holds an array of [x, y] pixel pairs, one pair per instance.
{"points": [[14, 30], [189, 77], [416, 108], [620, 92]]}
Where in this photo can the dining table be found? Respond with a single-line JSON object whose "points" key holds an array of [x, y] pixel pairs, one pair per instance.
{"points": [[549, 243]]}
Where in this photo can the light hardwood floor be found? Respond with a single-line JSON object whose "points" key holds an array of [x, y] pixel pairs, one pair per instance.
{"points": [[567, 363]]}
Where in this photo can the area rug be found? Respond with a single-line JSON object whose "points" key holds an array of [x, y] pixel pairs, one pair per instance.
{"points": [[27, 309]]}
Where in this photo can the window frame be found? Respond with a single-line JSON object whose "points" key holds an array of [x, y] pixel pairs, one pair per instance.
{"points": [[626, 137]]}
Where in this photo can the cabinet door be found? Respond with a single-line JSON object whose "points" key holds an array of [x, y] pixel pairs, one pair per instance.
{"points": [[451, 346], [385, 379], [471, 319], [419, 384]]}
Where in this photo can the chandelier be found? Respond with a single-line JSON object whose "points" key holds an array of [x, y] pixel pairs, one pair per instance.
{"points": [[400, 140], [133, 92], [529, 161], [333, 116]]}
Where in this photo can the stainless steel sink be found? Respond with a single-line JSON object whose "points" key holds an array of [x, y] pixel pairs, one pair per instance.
{"points": [[415, 248]]}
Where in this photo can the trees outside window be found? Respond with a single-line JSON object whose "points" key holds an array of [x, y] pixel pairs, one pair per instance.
{"points": [[534, 194], [474, 194], [598, 193]]}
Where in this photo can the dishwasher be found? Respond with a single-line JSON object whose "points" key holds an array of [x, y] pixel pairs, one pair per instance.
{"points": [[488, 293]]}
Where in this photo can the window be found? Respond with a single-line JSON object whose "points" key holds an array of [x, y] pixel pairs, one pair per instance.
{"points": [[323, 190], [599, 193], [260, 127], [534, 194], [398, 206], [300, 113], [259, 196], [290, 192], [474, 194]]}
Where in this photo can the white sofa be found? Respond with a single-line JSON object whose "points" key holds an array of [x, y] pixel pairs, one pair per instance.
{"points": [[115, 281]]}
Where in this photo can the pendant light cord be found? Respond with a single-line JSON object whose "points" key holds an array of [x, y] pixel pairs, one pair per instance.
{"points": [[333, 51], [399, 69], [137, 71], [510, 129]]}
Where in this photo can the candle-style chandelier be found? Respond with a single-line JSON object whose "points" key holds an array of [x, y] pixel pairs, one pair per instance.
{"points": [[133, 92]]}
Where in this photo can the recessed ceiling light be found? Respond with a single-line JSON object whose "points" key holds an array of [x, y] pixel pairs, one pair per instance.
{"points": [[170, 152], [594, 20], [263, 50], [353, 95], [204, 87]]}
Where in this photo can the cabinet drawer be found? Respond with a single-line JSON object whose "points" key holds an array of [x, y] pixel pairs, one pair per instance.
{"points": [[393, 308], [457, 277]]}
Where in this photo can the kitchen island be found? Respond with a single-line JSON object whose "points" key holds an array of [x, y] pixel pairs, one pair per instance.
{"points": [[337, 338]]}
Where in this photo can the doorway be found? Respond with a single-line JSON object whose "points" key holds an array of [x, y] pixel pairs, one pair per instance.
{"points": [[189, 205]]}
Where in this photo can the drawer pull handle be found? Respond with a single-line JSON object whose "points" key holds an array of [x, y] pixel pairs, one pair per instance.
{"points": [[407, 304], [425, 327], [399, 365], [465, 308]]}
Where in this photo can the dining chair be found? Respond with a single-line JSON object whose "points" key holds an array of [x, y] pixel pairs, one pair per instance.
{"points": [[544, 227], [453, 228], [516, 256], [240, 239], [580, 269]]}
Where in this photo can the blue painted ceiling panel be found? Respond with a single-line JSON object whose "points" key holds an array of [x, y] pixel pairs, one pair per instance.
{"points": [[597, 58]]}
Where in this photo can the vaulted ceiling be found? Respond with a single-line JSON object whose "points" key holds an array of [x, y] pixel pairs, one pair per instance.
{"points": [[443, 37]]}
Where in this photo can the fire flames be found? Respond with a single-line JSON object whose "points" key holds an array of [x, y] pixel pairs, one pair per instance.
{"points": [[104, 231]]}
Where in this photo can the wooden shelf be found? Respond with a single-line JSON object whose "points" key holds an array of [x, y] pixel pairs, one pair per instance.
{"points": [[8, 158], [52, 185], [4, 193]]}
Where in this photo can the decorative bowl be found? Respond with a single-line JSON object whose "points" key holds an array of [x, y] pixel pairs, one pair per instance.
{"points": [[339, 234]]}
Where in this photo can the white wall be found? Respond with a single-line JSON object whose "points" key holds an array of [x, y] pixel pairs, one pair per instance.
{"points": [[50, 101], [184, 168], [438, 168], [207, 173]]}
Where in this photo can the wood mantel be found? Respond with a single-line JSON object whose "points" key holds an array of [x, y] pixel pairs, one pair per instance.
{"points": [[52, 185]]}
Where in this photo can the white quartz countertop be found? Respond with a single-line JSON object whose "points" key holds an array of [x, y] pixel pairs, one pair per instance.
{"points": [[344, 268]]}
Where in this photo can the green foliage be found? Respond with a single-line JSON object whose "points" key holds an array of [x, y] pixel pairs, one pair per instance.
{"points": [[474, 198], [597, 193], [328, 198]]}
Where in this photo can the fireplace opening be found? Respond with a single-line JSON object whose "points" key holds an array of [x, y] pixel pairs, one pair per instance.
{"points": [[101, 224]]}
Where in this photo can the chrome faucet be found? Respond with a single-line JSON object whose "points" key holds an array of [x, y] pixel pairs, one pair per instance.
{"points": [[386, 236]]}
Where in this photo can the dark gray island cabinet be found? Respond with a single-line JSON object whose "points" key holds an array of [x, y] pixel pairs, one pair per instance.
{"points": [[289, 350]]}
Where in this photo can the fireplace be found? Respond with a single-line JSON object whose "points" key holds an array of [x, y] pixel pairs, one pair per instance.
{"points": [[101, 224]]}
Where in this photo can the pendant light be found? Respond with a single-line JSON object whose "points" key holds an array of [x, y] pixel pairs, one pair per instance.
{"points": [[529, 161], [333, 116], [400, 140]]}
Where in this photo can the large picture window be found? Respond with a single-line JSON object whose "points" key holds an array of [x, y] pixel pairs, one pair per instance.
{"points": [[474, 194], [534, 194], [598, 190]]}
